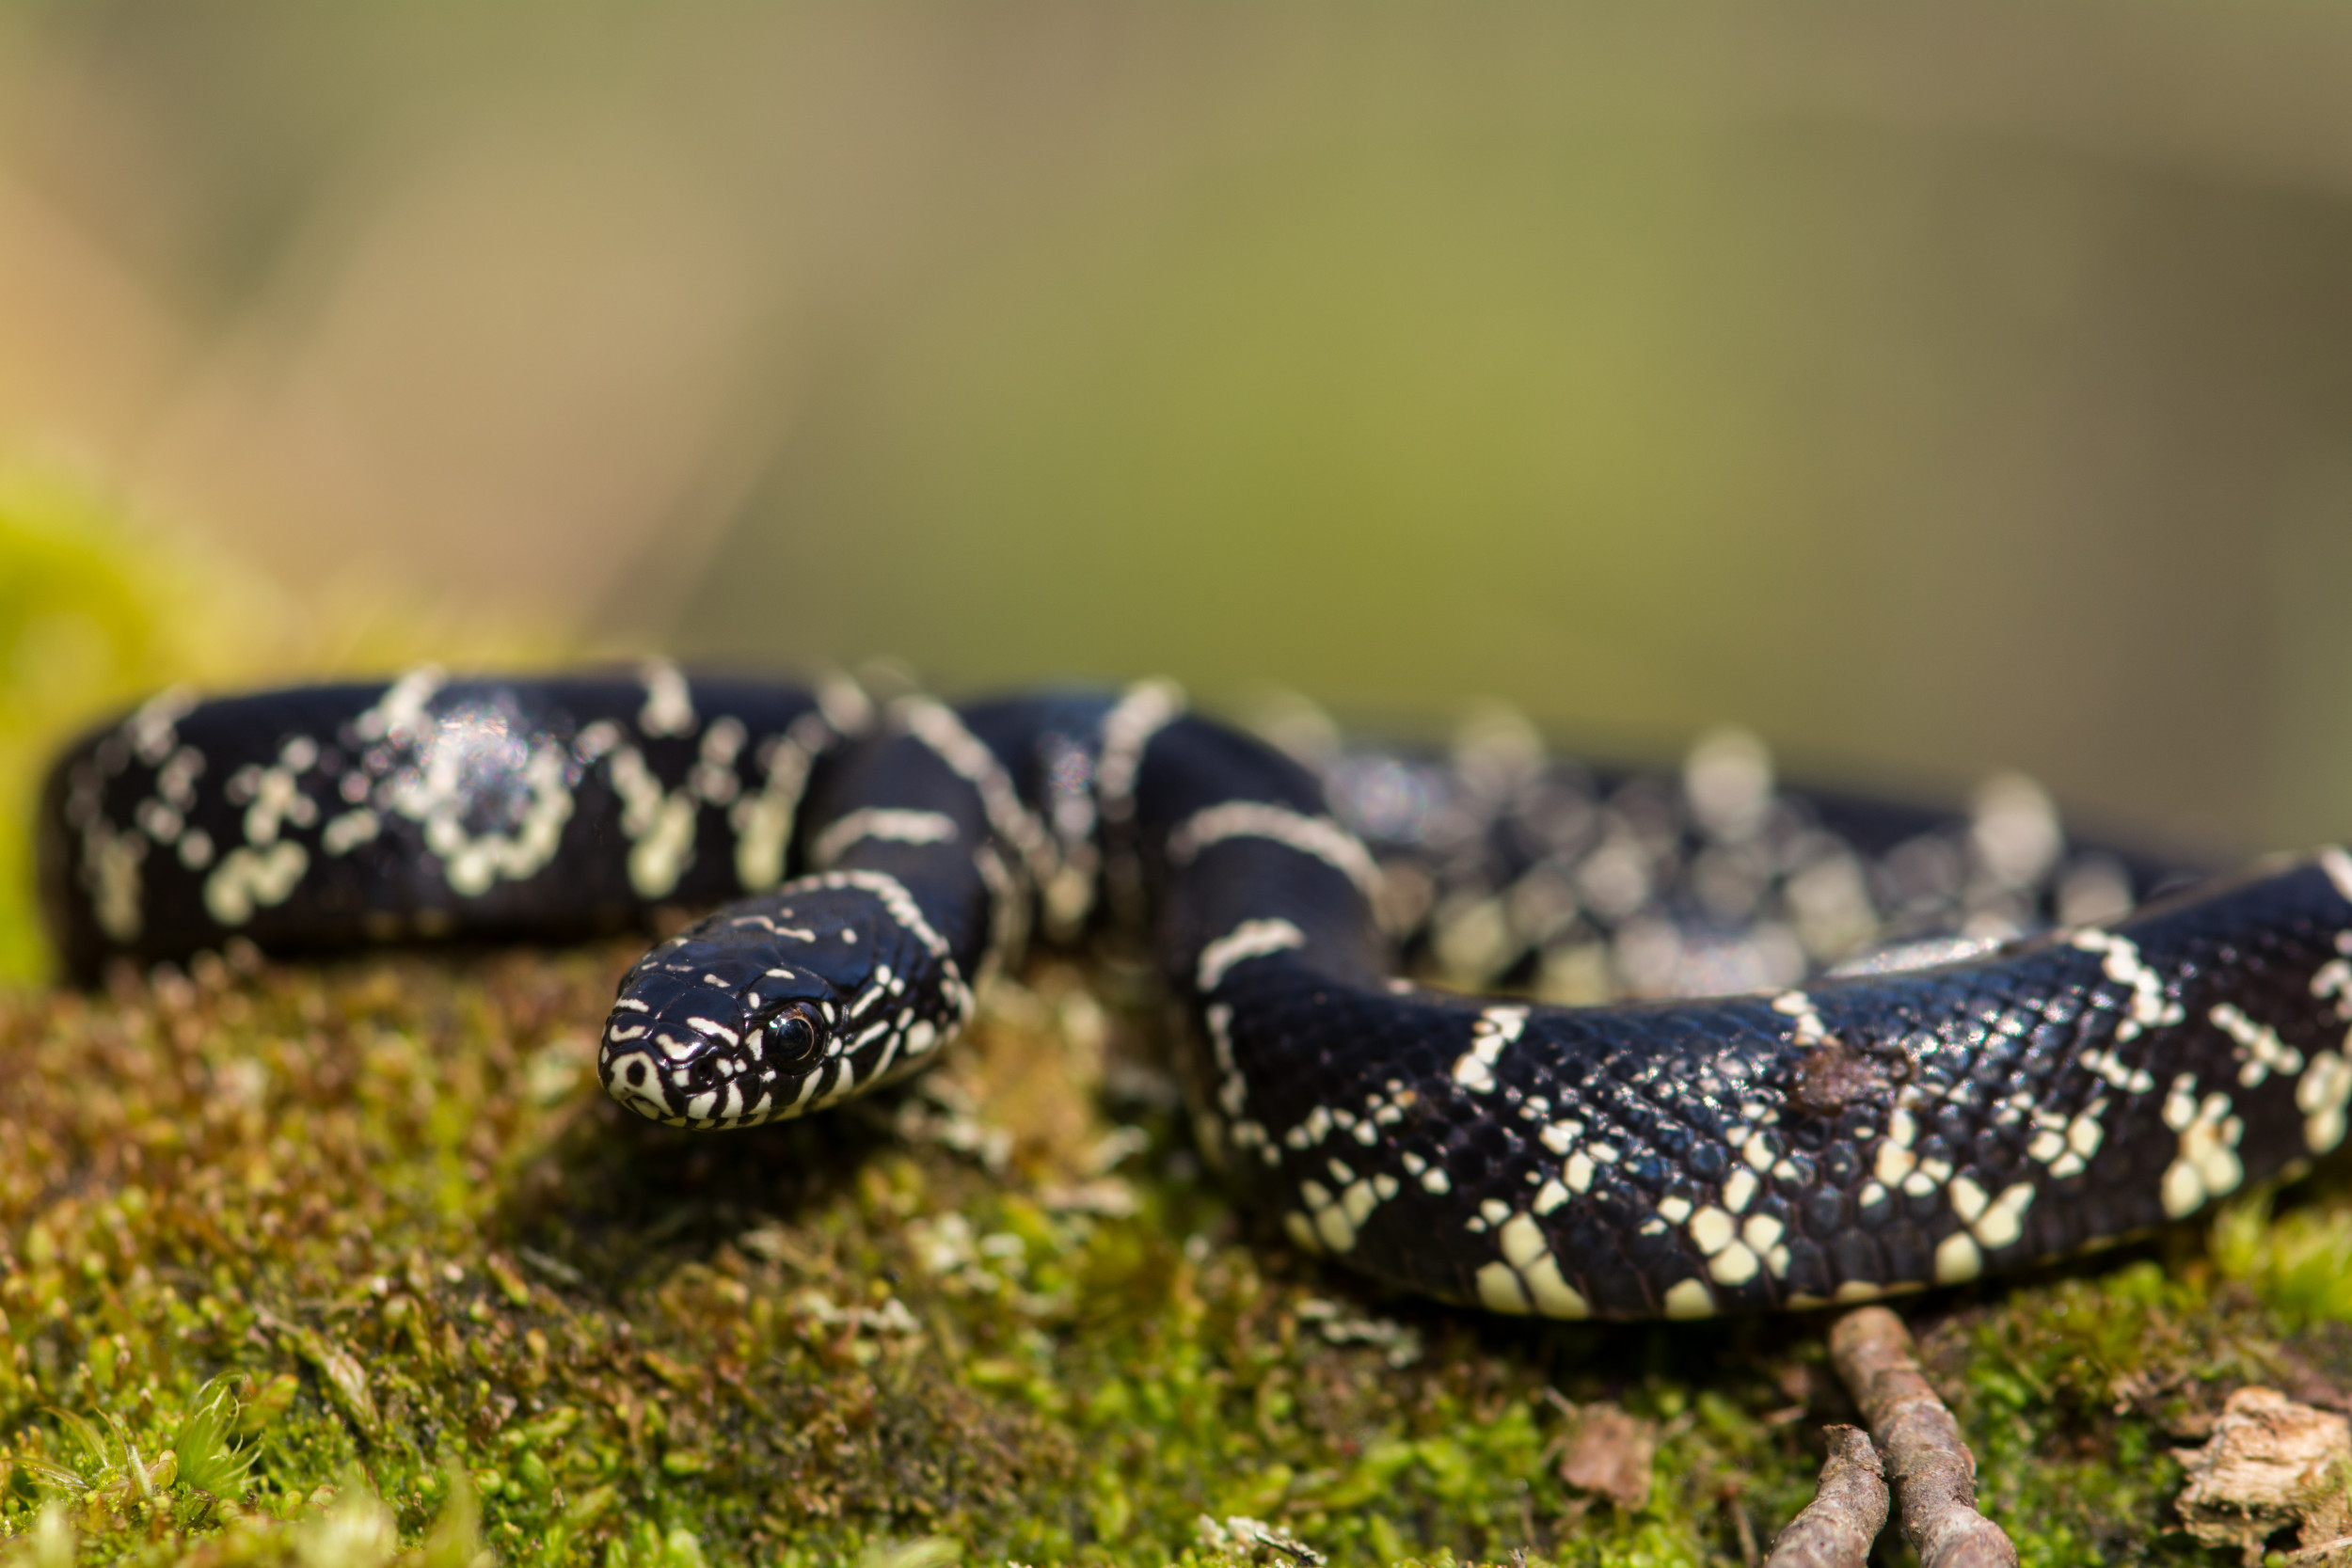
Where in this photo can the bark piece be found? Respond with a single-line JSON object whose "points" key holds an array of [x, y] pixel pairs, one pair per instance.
{"points": [[1848, 1511], [2271, 1463], [1933, 1473]]}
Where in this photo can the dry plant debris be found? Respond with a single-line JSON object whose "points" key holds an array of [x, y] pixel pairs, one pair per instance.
{"points": [[1610, 1455]]}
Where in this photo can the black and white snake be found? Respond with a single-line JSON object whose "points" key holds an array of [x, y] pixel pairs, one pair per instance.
{"points": [[2059, 1073]]}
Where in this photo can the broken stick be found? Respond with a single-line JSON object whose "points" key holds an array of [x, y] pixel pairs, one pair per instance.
{"points": [[1846, 1511], [1933, 1473]]}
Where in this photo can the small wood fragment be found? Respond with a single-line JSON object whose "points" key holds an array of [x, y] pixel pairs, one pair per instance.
{"points": [[1933, 1473], [2270, 1464], [1848, 1510]]}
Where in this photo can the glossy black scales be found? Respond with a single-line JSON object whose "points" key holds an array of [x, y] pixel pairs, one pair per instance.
{"points": [[1761, 1104], [326, 816], [1831, 1143]]}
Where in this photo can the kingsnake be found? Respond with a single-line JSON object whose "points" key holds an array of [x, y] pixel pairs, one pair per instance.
{"points": [[2054, 1074]]}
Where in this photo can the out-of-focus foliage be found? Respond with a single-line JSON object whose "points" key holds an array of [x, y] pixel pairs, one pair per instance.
{"points": [[98, 609], [94, 612], [2300, 1263]]}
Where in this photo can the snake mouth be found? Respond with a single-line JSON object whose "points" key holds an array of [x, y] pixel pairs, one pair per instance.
{"points": [[634, 1079]]}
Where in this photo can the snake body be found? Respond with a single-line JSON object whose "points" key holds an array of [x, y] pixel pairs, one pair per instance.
{"points": [[2063, 1070]]}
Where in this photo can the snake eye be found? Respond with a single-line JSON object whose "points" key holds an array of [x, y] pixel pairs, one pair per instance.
{"points": [[795, 1034]]}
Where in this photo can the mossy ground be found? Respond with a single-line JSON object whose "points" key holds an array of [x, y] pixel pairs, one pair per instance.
{"points": [[377, 1220]]}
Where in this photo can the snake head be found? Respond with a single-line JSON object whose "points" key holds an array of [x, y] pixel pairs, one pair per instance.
{"points": [[779, 1006], [715, 1034]]}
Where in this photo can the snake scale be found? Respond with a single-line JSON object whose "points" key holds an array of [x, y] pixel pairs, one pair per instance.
{"points": [[1742, 1114]]}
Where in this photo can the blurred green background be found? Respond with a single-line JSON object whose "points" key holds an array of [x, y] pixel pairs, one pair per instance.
{"points": [[1931, 388]]}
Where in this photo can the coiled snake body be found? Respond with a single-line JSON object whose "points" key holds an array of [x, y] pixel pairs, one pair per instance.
{"points": [[1942, 1110]]}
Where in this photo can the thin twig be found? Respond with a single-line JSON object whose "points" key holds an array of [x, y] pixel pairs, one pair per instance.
{"points": [[1744, 1531], [1847, 1512], [1933, 1472]]}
